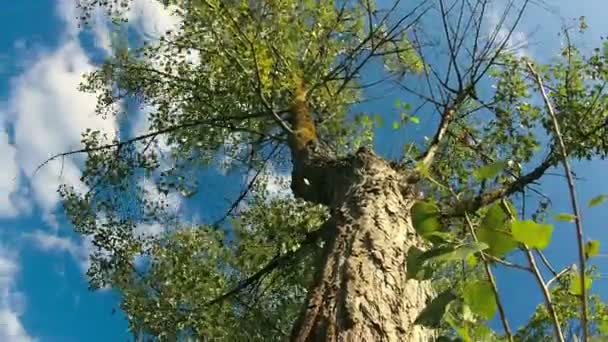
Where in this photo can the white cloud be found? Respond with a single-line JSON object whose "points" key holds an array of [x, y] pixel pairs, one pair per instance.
{"points": [[49, 114], [152, 194], [148, 230], [48, 242], [8, 177], [11, 301], [518, 40], [151, 18]]}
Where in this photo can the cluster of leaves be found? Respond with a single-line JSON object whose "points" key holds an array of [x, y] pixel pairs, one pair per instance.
{"points": [[539, 328], [485, 240], [170, 287]]}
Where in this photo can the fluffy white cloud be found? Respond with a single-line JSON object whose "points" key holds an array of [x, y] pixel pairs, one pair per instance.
{"points": [[49, 114], [151, 18], [11, 301]]}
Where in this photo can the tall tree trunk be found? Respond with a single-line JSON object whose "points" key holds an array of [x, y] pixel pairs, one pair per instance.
{"points": [[361, 291]]}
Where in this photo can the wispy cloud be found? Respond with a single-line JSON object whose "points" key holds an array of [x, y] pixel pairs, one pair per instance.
{"points": [[500, 29], [48, 114], [8, 177], [53, 243], [11, 301]]}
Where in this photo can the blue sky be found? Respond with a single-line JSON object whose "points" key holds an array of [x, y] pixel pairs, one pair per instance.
{"points": [[43, 292]]}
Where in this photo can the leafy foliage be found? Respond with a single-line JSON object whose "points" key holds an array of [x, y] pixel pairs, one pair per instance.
{"points": [[219, 88]]}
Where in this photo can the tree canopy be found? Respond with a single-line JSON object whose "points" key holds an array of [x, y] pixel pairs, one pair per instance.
{"points": [[216, 93]]}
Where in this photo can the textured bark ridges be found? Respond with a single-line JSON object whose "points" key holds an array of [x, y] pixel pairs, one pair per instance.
{"points": [[361, 292]]}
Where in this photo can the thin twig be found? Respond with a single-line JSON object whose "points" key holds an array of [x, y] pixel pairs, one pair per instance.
{"points": [[573, 200], [507, 263], [559, 275]]}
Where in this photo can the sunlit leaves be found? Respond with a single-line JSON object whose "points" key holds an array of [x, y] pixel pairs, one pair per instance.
{"points": [[597, 200], [459, 253], [532, 234], [489, 171], [592, 248], [420, 264], [480, 297], [575, 282], [494, 230], [565, 217], [414, 119]]}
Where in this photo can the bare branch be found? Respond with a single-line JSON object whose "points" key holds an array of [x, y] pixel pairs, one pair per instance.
{"points": [[559, 335], [446, 119], [573, 200]]}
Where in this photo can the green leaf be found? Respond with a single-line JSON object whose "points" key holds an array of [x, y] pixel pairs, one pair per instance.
{"points": [[575, 283], [481, 332], [535, 235], [416, 267], [472, 260], [460, 253], [480, 298], [565, 217], [432, 314], [422, 168], [459, 327], [592, 248], [597, 200], [414, 119], [494, 231], [395, 125], [425, 218], [489, 171], [602, 325]]}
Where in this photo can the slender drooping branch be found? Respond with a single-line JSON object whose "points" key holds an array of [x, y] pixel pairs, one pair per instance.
{"points": [[572, 192], [220, 122], [486, 263]]}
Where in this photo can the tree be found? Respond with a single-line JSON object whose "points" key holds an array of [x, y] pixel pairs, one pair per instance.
{"points": [[368, 249]]}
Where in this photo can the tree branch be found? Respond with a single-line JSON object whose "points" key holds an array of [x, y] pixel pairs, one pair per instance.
{"points": [[559, 335], [273, 264], [573, 200], [471, 205], [215, 122]]}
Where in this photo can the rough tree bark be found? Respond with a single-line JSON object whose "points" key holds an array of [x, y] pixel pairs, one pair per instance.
{"points": [[361, 291]]}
